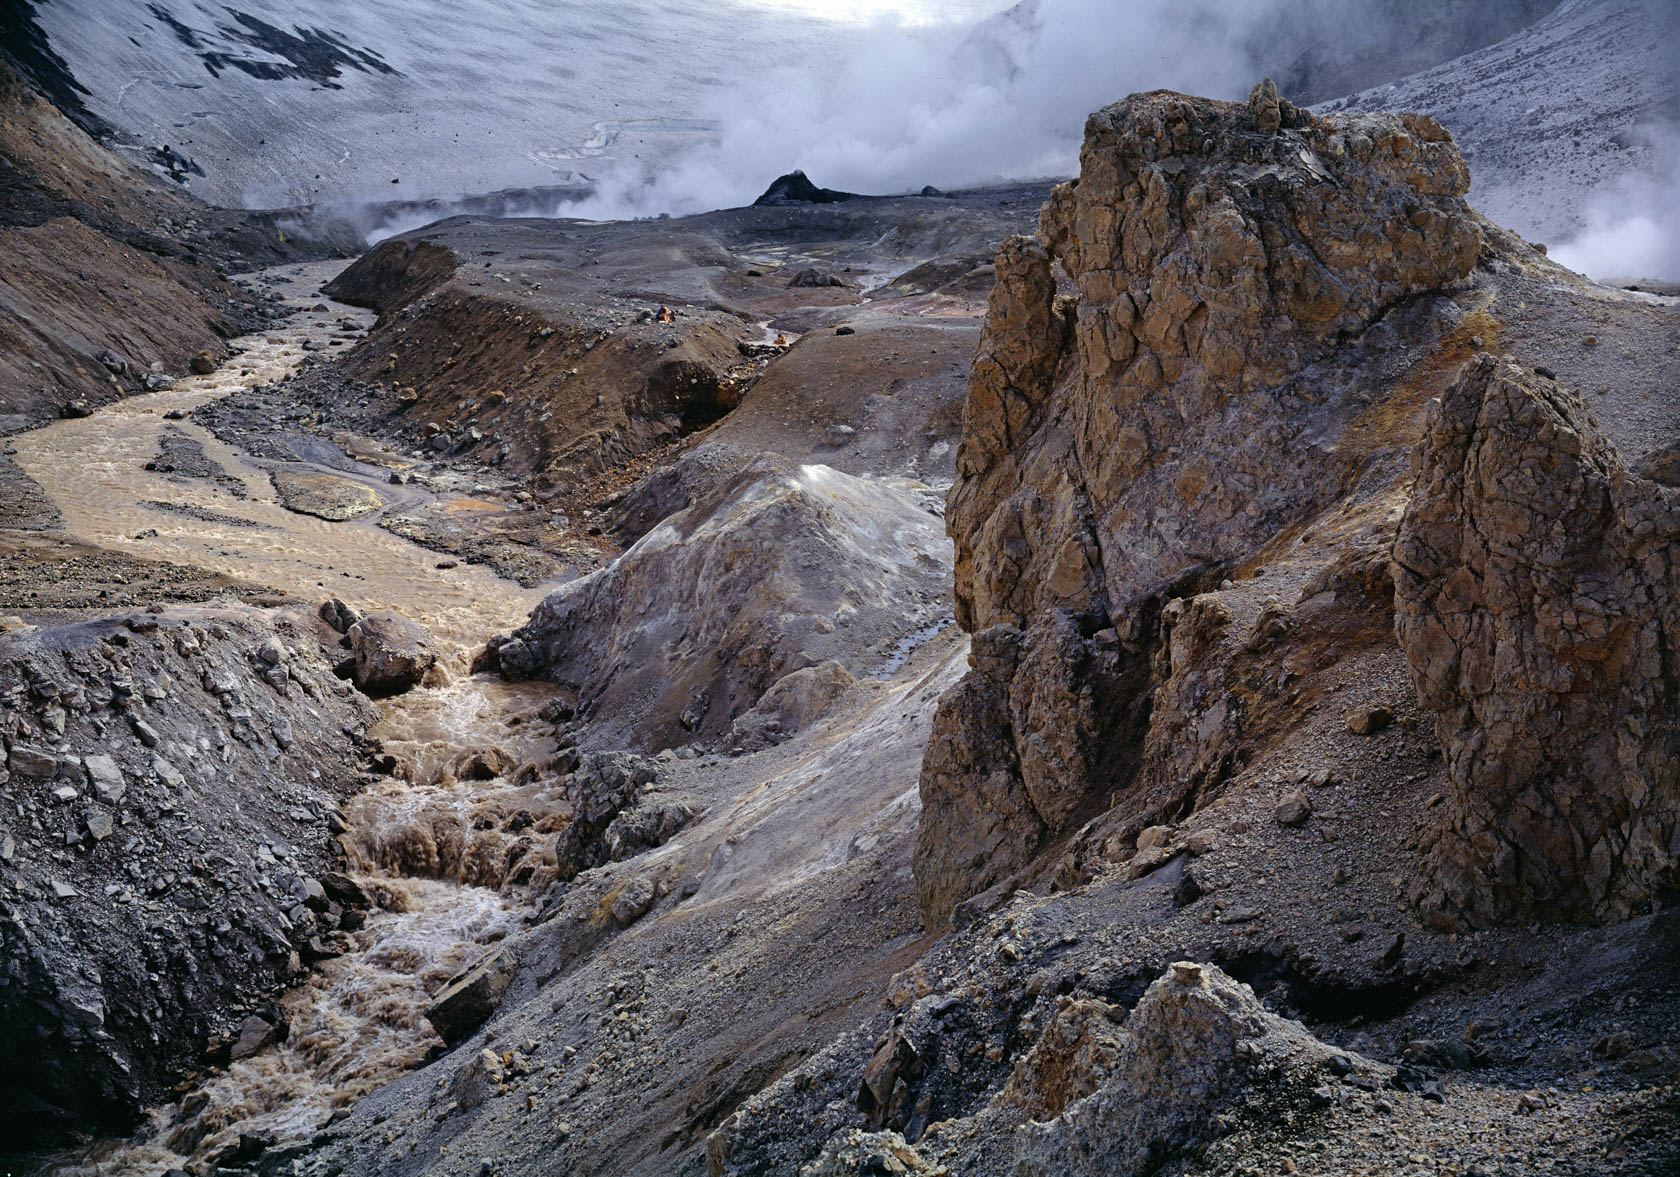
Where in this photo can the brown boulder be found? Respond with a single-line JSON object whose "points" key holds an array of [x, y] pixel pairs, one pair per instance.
{"points": [[1294, 809], [793, 703], [1369, 719], [390, 654]]}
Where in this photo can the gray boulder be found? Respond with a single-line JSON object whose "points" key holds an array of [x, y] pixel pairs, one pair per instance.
{"points": [[471, 996]]}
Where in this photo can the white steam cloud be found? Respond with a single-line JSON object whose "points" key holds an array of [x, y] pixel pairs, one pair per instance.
{"points": [[905, 103], [1633, 231], [1004, 99]]}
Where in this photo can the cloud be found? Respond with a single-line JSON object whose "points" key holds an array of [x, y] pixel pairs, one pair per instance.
{"points": [[909, 105], [1633, 231]]}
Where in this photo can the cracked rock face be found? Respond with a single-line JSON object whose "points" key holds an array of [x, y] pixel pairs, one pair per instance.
{"points": [[1185, 409], [1538, 604], [1214, 262]]}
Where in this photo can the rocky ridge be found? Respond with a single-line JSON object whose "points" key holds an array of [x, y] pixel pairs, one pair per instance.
{"points": [[1194, 403], [1111, 1090]]}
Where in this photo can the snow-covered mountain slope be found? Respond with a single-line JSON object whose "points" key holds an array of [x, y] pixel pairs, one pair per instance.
{"points": [[1569, 126]]}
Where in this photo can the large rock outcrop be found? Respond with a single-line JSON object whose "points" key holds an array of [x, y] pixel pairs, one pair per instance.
{"points": [[1538, 604], [778, 568], [1195, 400], [1117, 1093]]}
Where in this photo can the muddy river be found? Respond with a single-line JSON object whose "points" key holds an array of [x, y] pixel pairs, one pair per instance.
{"points": [[443, 886]]}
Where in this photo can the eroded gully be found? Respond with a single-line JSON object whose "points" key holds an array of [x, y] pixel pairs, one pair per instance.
{"points": [[446, 868]]}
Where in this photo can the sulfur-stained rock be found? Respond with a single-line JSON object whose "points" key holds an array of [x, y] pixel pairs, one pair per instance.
{"points": [[326, 496], [633, 901], [1538, 604], [479, 1078], [1196, 1044], [855, 1153], [1069, 1060]]}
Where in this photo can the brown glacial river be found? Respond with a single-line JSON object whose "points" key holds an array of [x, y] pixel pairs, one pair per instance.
{"points": [[426, 845]]}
